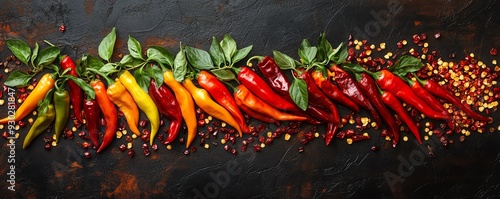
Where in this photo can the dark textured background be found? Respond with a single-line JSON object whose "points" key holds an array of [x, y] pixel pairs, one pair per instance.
{"points": [[463, 170]]}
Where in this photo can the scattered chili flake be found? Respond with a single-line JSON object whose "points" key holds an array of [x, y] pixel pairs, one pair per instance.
{"points": [[493, 51], [62, 28], [130, 153]]}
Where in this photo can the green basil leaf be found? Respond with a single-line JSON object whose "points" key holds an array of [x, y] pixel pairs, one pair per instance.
{"points": [[228, 47], [307, 52], [224, 74], [241, 54], [339, 54], [406, 64], [20, 49], [156, 74], [160, 55], [107, 45], [355, 68], [180, 66], [53, 67], [216, 53], [107, 68], [127, 59], [324, 47], [200, 59], [299, 94], [47, 56], [284, 61], [134, 48], [142, 80], [82, 84], [81, 65], [94, 62], [34, 54], [18, 79]]}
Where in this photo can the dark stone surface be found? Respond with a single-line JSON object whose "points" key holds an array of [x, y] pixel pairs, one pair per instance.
{"points": [[463, 170]]}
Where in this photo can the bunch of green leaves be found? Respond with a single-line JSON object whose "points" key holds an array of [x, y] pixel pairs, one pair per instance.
{"points": [[310, 57], [36, 60], [220, 58]]}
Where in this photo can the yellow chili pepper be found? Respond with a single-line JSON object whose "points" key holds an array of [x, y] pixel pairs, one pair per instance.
{"points": [[185, 102], [144, 102], [42, 88], [205, 102], [119, 95]]}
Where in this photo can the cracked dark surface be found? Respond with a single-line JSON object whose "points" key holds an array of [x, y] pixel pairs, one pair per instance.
{"points": [[463, 170]]}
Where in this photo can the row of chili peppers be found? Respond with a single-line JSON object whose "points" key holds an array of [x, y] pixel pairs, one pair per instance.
{"points": [[267, 99]]}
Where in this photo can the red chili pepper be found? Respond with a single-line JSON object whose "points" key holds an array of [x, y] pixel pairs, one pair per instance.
{"points": [[391, 101], [280, 84], [369, 88], [432, 101], [442, 93], [169, 107], [222, 96], [260, 88], [319, 113], [92, 113], [332, 91], [351, 89], [396, 86], [76, 93], [108, 110]]}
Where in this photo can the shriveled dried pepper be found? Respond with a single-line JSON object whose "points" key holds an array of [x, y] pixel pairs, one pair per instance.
{"points": [[442, 93], [169, 107], [222, 96], [108, 110], [203, 100], [76, 93], [119, 95], [281, 86], [260, 88], [185, 102], [46, 115], [92, 112], [62, 106], [45, 84], [144, 102], [396, 86], [253, 102], [349, 87], [391, 101], [332, 91], [369, 88]]}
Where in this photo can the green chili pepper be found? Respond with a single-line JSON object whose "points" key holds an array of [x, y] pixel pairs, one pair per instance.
{"points": [[46, 115], [61, 102]]}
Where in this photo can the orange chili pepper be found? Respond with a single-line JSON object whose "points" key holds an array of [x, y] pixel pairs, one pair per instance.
{"points": [[122, 98], [38, 94], [205, 102], [185, 102]]}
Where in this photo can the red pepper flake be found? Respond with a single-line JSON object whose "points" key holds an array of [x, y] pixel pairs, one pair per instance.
{"points": [[131, 153], [143, 123], [437, 35], [122, 147], [374, 148], [493, 51], [257, 148], [186, 152], [301, 149], [5, 135], [87, 154], [154, 147], [62, 28], [47, 146]]}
